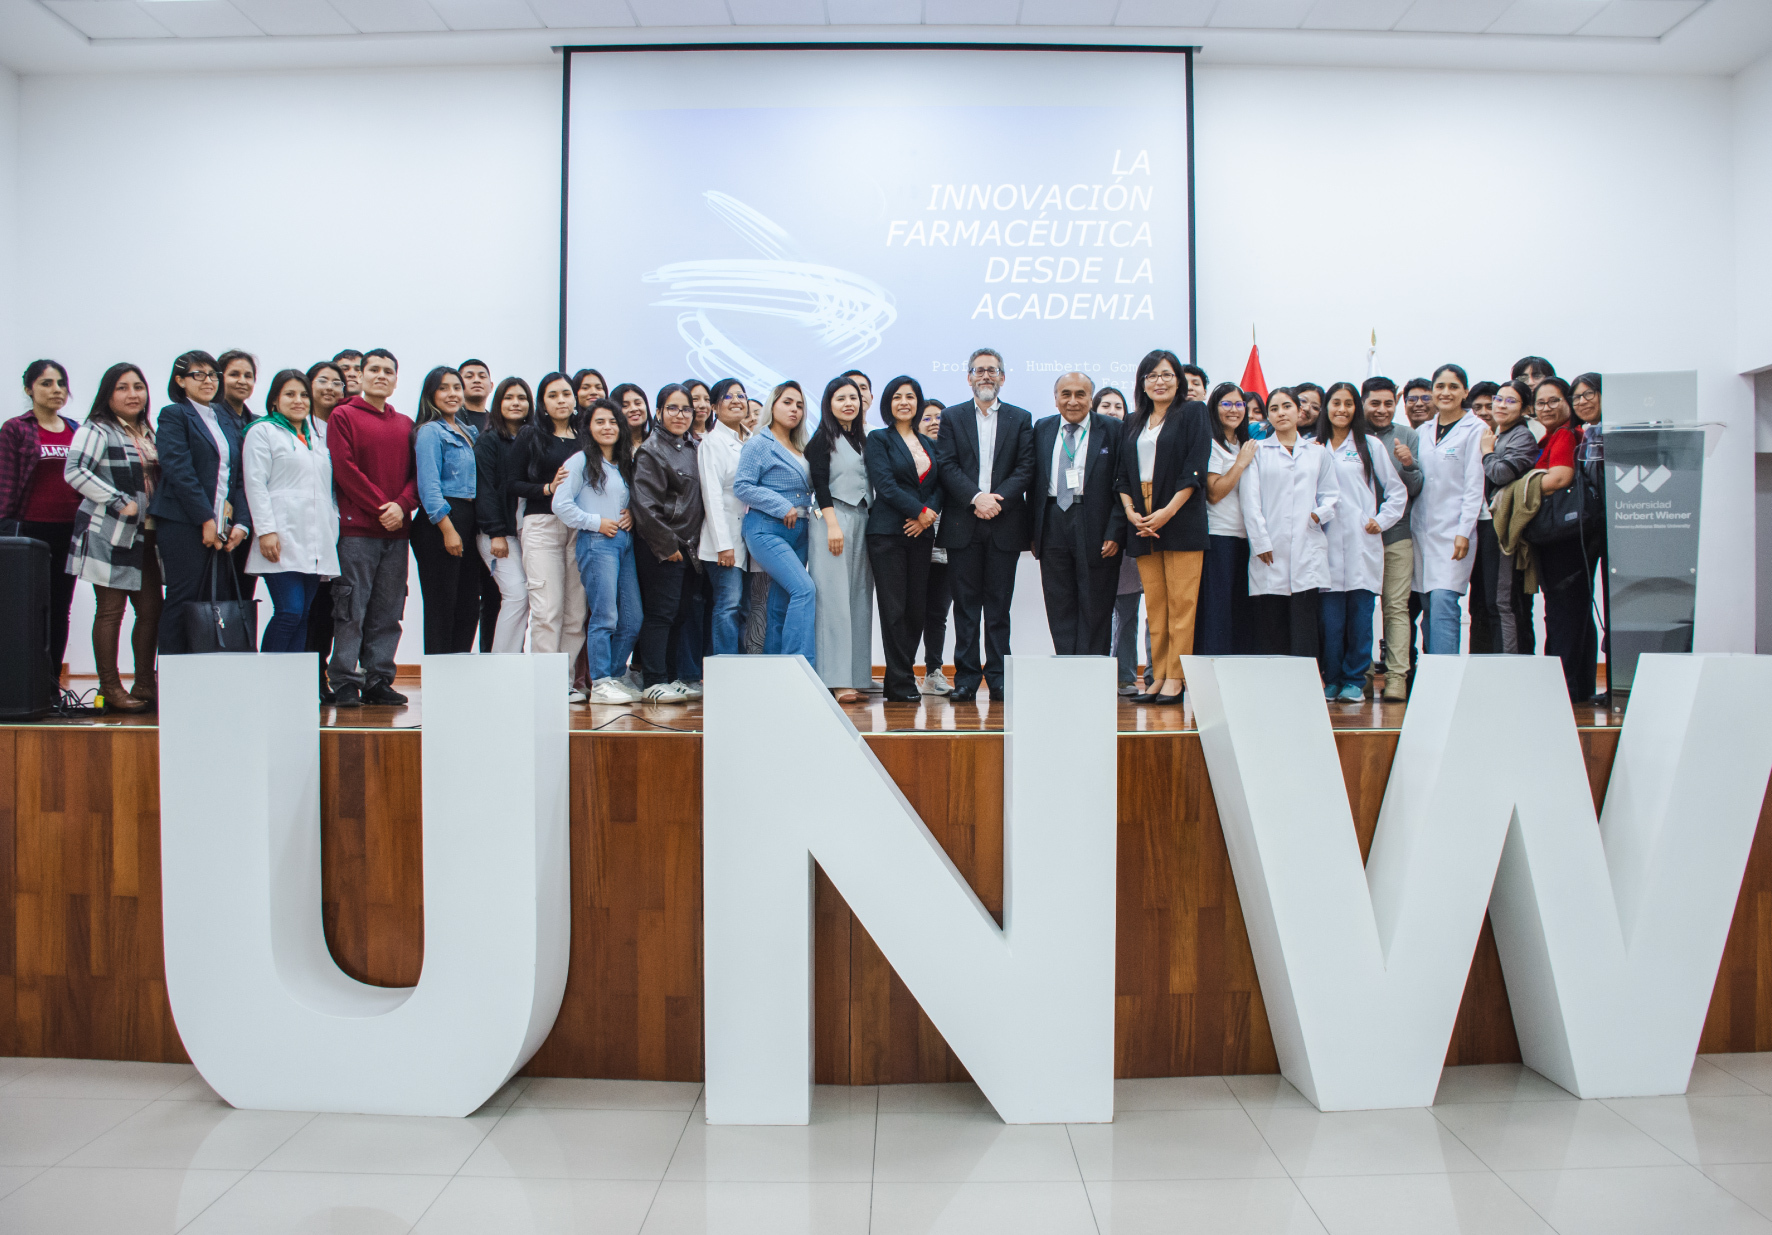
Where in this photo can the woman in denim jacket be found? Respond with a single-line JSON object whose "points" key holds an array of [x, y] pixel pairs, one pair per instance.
{"points": [[775, 481], [443, 540]]}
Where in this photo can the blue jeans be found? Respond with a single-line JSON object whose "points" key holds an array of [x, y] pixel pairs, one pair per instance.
{"points": [[729, 608], [793, 601], [1347, 636], [612, 595], [1442, 623], [292, 595]]}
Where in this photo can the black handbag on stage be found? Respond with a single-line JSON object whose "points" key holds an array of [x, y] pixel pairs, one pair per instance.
{"points": [[1569, 514], [217, 625]]}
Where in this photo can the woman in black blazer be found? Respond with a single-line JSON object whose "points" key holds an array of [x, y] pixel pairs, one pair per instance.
{"points": [[189, 521], [1162, 484], [907, 497]]}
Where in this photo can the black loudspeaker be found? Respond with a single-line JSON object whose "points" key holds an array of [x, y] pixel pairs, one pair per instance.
{"points": [[27, 682]]}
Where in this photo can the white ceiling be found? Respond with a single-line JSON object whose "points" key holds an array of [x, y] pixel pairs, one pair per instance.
{"points": [[205, 19], [1659, 36]]}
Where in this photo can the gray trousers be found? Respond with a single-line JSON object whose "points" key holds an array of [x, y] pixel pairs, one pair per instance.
{"points": [[1125, 636], [368, 601]]}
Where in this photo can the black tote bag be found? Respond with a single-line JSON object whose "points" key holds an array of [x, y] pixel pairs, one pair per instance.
{"points": [[217, 625], [1568, 514]]}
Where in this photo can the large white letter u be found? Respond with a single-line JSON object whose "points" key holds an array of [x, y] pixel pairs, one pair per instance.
{"points": [[267, 1015]]}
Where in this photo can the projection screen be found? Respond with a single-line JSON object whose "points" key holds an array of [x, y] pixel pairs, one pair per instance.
{"points": [[794, 212]]}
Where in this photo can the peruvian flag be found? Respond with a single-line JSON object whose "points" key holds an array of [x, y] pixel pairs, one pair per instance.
{"points": [[1252, 378]]}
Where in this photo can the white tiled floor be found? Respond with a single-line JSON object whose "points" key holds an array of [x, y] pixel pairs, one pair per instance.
{"points": [[123, 1148]]}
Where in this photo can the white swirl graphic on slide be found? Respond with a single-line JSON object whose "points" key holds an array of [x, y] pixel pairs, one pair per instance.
{"points": [[847, 312]]}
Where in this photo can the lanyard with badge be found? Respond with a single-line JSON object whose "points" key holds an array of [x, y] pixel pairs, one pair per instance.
{"points": [[1073, 474]]}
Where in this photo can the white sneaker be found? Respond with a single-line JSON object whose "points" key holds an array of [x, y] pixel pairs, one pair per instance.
{"points": [[610, 692], [628, 694], [664, 692], [936, 684], [691, 690], [575, 695], [631, 679]]}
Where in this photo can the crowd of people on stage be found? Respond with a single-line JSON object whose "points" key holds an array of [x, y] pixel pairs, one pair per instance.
{"points": [[640, 534]]}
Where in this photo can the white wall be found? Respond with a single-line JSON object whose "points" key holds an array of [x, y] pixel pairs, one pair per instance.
{"points": [[11, 359], [292, 215], [1753, 207], [417, 209], [1477, 218]]}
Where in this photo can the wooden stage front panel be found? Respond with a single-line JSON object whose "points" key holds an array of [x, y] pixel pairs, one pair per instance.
{"points": [[81, 973]]}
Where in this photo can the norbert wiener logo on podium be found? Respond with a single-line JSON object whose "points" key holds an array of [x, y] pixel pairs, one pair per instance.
{"points": [[1628, 479]]}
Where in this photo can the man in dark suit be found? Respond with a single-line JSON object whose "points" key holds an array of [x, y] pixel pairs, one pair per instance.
{"points": [[1078, 520], [985, 454]]}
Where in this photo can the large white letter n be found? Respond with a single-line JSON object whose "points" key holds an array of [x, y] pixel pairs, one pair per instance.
{"points": [[1028, 1008], [267, 1015]]}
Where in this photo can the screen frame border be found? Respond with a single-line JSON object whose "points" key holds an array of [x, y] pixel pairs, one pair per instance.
{"points": [[1186, 51]]}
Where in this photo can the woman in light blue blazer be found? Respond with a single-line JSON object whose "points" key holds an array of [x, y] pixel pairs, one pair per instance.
{"points": [[775, 481]]}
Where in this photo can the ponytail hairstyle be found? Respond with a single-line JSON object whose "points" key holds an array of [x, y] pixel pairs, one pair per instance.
{"points": [[282, 379], [707, 418], [1558, 384], [37, 368], [1592, 382], [1458, 372], [623, 455], [1230, 439], [1292, 397], [578, 387], [1522, 390], [717, 394], [665, 392], [1356, 429]]}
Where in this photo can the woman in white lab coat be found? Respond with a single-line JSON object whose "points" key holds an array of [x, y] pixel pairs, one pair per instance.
{"points": [[1288, 496], [1372, 500], [1444, 520], [288, 483]]}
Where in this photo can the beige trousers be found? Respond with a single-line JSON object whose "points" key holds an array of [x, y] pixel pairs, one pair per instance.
{"points": [[556, 592], [1399, 577]]}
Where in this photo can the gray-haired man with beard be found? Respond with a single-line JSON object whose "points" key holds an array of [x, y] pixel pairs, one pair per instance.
{"points": [[986, 457]]}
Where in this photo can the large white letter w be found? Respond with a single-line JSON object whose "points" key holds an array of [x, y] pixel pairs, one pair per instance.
{"points": [[1610, 930]]}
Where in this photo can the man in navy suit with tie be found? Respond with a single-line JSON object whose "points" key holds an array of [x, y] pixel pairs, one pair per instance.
{"points": [[1079, 523], [986, 456]]}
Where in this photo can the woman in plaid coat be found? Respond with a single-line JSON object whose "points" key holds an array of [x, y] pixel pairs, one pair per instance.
{"points": [[113, 465]]}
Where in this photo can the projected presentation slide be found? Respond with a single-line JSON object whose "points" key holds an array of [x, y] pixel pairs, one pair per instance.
{"points": [[793, 214]]}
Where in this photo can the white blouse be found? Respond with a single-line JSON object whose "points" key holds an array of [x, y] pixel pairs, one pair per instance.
{"points": [[1225, 516], [1147, 454]]}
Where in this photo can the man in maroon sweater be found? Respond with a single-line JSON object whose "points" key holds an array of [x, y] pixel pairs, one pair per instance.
{"points": [[377, 481]]}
